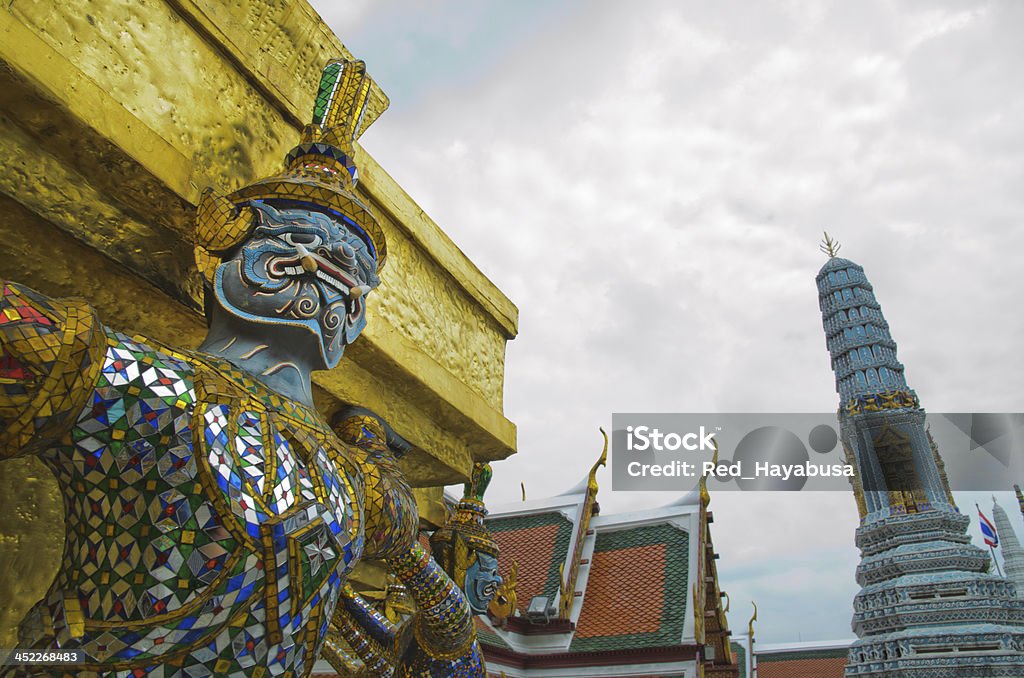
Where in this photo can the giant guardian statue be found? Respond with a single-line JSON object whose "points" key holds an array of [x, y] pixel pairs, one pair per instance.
{"points": [[212, 517]]}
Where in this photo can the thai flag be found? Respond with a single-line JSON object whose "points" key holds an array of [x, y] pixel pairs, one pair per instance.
{"points": [[988, 530]]}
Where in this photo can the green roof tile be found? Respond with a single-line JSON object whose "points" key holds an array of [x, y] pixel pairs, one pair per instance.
{"points": [[675, 587], [740, 654]]}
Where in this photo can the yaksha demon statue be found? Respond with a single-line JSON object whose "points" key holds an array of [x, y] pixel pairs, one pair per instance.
{"points": [[212, 518], [465, 548]]}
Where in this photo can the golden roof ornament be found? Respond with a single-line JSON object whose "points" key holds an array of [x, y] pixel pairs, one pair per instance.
{"points": [[319, 174], [506, 600], [702, 483], [830, 246], [602, 461]]}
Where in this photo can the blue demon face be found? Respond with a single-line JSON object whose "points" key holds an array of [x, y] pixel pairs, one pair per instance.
{"points": [[482, 582], [303, 269]]}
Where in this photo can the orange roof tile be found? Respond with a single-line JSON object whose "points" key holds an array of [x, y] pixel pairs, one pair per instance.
{"points": [[824, 667], [531, 548], [636, 590], [625, 592]]}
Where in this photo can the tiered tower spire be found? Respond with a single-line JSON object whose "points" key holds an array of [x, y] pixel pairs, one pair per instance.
{"points": [[928, 605], [1009, 545]]}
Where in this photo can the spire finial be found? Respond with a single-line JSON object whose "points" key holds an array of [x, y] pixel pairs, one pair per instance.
{"points": [[602, 461], [702, 484], [477, 485], [829, 246]]}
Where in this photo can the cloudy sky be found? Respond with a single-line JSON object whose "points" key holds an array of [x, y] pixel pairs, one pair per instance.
{"points": [[648, 182]]}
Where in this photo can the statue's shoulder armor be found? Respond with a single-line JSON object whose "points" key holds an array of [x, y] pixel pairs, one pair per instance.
{"points": [[51, 353], [271, 477], [141, 368]]}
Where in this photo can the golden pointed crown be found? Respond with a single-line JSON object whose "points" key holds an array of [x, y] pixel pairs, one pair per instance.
{"points": [[466, 526], [319, 173]]}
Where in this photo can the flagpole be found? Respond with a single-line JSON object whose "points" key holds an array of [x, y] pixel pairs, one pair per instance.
{"points": [[990, 547], [998, 569]]}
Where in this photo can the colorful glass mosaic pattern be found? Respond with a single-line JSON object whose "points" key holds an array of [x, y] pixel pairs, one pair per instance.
{"points": [[392, 519], [210, 522], [51, 355]]}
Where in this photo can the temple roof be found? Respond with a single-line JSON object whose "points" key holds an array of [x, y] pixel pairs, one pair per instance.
{"points": [[818, 659], [739, 652], [636, 596], [614, 585], [538, 542], [633, 591], [487, 637]]}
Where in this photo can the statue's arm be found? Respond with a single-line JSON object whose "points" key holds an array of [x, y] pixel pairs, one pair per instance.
{"points": [[444, 642], [390, 512], [438, 640], [51, 353]]}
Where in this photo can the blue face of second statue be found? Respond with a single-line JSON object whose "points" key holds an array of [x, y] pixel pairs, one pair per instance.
{"points": [[301, 269], [482, 582]]}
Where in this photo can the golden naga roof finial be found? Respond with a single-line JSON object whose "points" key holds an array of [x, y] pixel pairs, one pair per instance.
{"points": [[705, 496], [727, 601], [750, 624], [830, 246], [568, 579], [602, 461], [522, 486]]}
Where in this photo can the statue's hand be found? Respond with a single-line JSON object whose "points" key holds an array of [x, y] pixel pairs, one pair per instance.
{"points": [[51, 353], [390, 512], [27, 339]]}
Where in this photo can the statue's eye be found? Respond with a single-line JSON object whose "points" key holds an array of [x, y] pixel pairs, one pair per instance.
{"points": [[309, 240]]}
